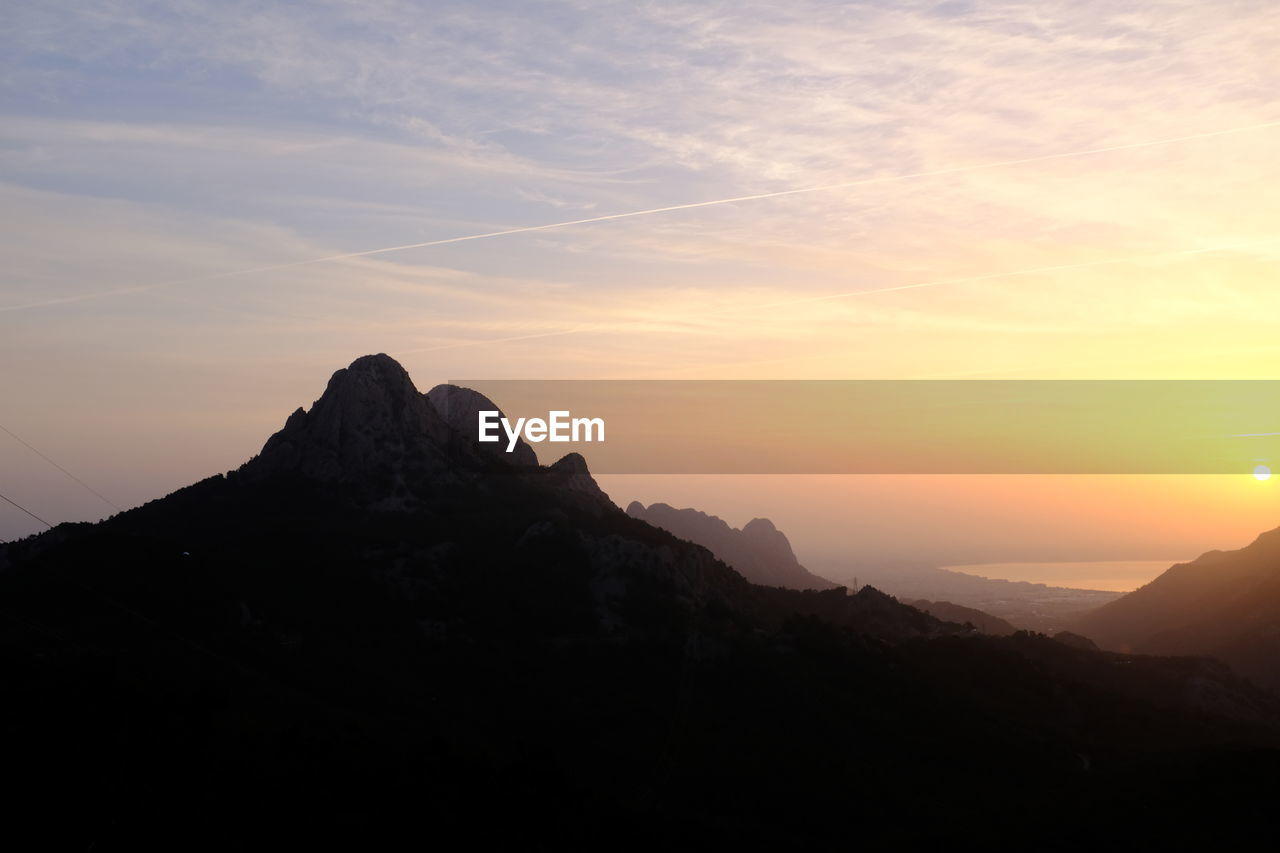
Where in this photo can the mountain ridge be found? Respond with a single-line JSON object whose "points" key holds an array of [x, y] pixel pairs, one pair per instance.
{"points": [[759, 551]]}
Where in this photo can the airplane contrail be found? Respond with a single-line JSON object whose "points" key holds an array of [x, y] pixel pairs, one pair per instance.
{"points": [[526, 229], [849, 294]]}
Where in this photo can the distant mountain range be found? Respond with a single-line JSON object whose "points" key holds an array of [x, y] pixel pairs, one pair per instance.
{"points": [[1225, 604], [759, 551], [375, 629], [762, 554]]}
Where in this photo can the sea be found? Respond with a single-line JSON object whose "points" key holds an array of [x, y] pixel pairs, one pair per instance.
{"points": [[1116, 575]]}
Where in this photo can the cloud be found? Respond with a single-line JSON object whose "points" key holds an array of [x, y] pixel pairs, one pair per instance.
{"points": [[294, 132]]}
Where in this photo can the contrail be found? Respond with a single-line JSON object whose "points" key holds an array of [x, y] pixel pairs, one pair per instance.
{"points": [[849, 294], [859, 182]]}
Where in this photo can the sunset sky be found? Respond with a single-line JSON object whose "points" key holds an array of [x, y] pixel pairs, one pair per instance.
{"points": [[153, 157]]}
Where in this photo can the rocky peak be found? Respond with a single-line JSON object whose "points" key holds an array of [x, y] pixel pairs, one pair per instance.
{"points": [[370, 418], [570, 473], [770, 542], [374, 430]]}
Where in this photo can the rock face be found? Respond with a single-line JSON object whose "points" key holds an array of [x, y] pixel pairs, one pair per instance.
{"points": [[570, 473], [759, 551], [460, 408], [370, 420]]}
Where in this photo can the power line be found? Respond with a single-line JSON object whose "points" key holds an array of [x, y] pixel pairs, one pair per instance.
{"points": [[91, 489], [27, 511]]}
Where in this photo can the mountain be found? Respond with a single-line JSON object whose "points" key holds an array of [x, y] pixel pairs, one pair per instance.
{"points": [[375, 630], [759, 551], [370, 423], [948, 612], [1225, 604]]}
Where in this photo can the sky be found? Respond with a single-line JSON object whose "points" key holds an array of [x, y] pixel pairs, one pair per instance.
{"points": [[1082, 187]]}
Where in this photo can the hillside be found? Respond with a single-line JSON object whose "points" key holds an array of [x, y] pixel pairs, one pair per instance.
{"points": [[372, 629], [1225, 604], [984, 622]]}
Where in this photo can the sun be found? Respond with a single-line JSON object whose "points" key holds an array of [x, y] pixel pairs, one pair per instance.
{"points": [[1262, 473]]}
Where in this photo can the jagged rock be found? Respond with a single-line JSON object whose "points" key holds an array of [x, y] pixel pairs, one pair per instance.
{"points": [[371, 420], [570, 473]]}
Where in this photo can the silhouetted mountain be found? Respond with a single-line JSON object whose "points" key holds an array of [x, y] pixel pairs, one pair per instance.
{"points": [[1225, 604], [371, 423], [374, 631], [759, 551], [948, 612]]}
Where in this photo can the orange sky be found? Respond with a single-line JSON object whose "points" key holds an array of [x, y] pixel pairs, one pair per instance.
{"points": [[950, 520]]}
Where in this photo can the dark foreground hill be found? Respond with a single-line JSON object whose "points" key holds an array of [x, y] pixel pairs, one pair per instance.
{"points": [[1225, 604], [984, 622], [372, 630]]}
